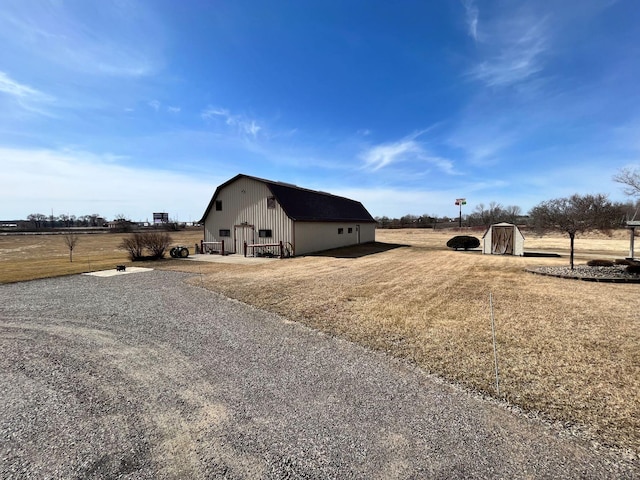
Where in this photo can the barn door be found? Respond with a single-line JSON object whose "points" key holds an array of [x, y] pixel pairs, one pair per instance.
{"points": [[241, 234], [502, 240]]}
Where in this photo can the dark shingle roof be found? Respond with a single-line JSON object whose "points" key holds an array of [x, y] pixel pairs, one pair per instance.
{"points": [[305, 205]]}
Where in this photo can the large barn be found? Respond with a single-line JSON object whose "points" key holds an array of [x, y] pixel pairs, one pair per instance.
{"points": [[254, 211]]}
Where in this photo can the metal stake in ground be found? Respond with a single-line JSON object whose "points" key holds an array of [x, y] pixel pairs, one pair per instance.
{"points": [[495, 351]]}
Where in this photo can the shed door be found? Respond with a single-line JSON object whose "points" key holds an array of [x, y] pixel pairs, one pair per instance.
{"points": [[502, 240], [241, 234]]}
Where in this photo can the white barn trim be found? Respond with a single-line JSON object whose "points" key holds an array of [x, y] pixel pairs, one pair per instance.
{"points": [[503, 239], [258, 211]]}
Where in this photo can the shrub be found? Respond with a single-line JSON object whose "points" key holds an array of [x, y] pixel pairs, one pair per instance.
{"points": [[623, 261], [155, 243], [134, 245], [634, 269], [463, 241], [600, 263]]}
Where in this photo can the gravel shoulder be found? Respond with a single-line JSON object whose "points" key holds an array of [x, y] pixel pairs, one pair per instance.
{"points": [[144, 376]]}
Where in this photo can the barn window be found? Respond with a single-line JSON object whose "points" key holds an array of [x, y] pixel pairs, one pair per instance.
{"points": [[224, 233], [271, 202], [264, 233], [218, 205], [340, 231], [350, 230]]}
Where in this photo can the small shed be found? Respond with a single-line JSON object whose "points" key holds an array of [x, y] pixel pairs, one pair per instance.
{"points": [[503, 239]]}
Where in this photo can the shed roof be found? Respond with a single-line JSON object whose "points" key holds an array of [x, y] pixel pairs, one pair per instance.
{"points": [[302, 204], [502, 224]]}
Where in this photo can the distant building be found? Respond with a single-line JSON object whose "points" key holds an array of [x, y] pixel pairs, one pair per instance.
{"points": [[160, 218], [258, 211]]}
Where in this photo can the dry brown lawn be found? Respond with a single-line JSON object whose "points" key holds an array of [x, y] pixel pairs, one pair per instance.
{"points": [[567, 349], [25, 257]]}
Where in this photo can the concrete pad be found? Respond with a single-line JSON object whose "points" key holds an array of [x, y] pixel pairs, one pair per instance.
{"points": [[113, 272]]}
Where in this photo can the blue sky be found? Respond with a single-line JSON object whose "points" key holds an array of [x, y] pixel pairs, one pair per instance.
{"points": [[129, 107]]}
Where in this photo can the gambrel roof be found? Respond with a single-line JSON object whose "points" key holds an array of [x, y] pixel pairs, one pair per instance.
{"points": [[502, 224], [304, 205]]}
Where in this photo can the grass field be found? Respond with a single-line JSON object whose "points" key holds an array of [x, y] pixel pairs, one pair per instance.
{"points": [[25, 257], [566, 349]]}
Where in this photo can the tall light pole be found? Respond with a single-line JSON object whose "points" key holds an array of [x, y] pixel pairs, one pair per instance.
{"points": [[460, 202]]}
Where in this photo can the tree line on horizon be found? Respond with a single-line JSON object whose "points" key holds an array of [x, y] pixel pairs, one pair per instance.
{"points": [[40, 221], [482, 215], [486, 215], [596, 205]]}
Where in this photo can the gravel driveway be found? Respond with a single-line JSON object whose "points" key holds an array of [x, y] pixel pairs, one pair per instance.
{"points": [[143, 376]]}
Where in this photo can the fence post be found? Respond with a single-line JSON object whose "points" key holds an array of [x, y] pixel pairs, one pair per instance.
{"points": [[245, 249], [222, 248], [495, 351], [202, 246]]}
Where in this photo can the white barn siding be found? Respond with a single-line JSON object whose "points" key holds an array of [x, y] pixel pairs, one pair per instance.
{"points": [[245, 201], [367, 232], [317, 236]]}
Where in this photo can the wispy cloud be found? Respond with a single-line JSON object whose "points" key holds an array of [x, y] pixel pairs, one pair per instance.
{"points": [[245, 125], [62, 180], [12, 87], [471, 17], [25, 96], [380, 156], [513, 48], [115, 38], [406, 150], [482, 145], [155, 104]]}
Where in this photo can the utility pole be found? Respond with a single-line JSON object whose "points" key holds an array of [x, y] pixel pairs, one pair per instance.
{"points": [[460, 202]]}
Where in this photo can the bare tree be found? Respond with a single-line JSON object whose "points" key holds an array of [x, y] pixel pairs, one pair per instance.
{"points": [[495, 213], [67, 220], [71, 240], [37, 219], [512, 213], [134, 245], [630, 178], [577, 214], [486, 216], [480, 215], [122, 223], [156, 243]]}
